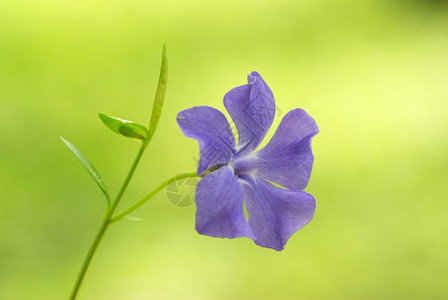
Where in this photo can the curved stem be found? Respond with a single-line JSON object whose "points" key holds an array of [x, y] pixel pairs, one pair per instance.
{"points": [[89, 257], [105, 224], [149, 196]]}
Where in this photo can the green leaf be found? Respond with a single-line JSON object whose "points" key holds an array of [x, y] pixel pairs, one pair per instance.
{"points": [[160, 94], [125, 127], [113, 123], [89, 167]]}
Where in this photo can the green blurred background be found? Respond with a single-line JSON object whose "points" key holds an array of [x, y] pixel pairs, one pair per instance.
{"points": [[374, 75]]}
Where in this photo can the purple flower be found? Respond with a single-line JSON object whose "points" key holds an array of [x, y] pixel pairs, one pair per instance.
{"points": [[239, 175]]}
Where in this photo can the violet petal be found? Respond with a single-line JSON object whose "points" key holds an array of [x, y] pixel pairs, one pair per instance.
{"points": [[219, 202], [275, 213], [211, 129], [252, 108], [287, 158]]}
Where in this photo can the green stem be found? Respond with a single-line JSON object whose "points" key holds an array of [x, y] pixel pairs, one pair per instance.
{"points": [[149, 196], [104, 225]]}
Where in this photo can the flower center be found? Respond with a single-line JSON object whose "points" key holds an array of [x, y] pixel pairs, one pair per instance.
{"points": [[246, 165]]}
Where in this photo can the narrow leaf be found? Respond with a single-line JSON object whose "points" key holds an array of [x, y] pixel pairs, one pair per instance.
{"points": [[89, 167], [125, 127], [160, 94]]}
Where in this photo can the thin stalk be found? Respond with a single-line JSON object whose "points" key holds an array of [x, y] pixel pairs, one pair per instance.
{"points": [[149, 196], [104, 225]]}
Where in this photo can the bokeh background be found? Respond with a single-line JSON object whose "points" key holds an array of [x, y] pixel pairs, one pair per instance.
{"points": [[374, 75]]}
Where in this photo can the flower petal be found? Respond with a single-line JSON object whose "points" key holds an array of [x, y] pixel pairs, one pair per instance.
{"points": [[287, 158], [252, 108], [219, 201], [211, 129], [275, 214]]}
